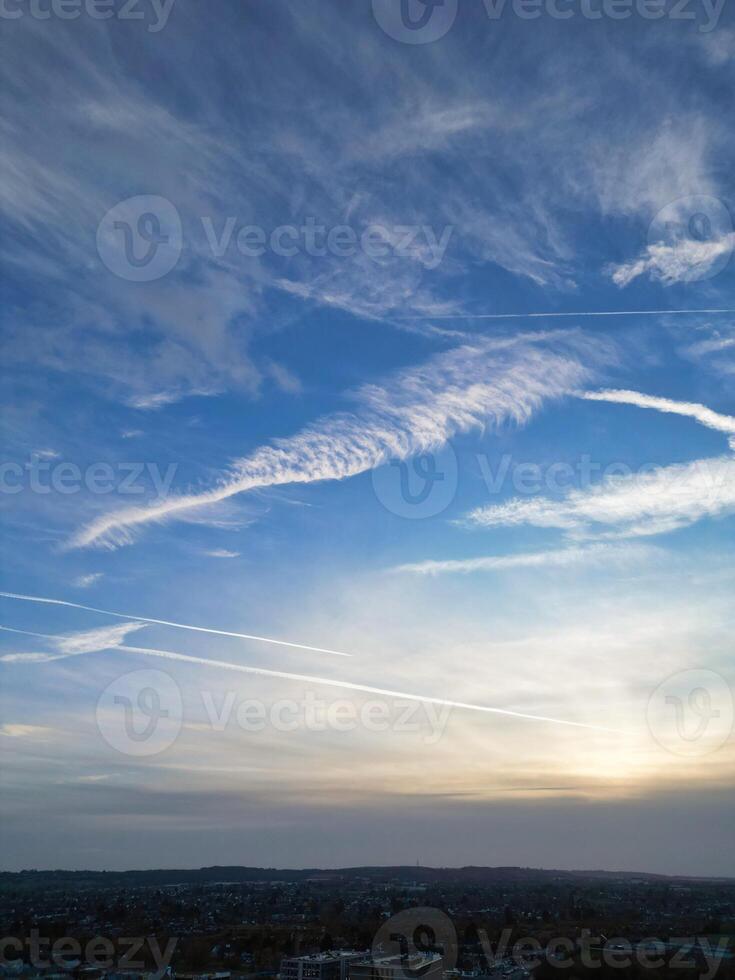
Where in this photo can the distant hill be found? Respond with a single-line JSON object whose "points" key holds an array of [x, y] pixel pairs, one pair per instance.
{"points": [[408, 873]]}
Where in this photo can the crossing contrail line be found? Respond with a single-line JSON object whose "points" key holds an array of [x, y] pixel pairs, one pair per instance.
{"points": [[326, 681], [350, 686], [164, 622], [531, 316], [43, 636]]}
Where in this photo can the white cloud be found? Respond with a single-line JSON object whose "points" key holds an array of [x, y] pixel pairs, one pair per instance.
{"points": [[73, 644], [160, 399], [489, 382], [23, 731], [600, 554], [684, 261], [716, 352], [85, 581], [664, 499], [651, 502], [221, 553], [713, 346], [26, 658], [137, 622]]}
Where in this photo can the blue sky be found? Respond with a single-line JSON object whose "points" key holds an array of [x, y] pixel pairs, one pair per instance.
{"points": [[218, 437]]}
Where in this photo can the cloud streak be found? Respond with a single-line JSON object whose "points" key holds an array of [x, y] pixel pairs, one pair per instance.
{"points": [[555, 315], [600, 554], [705, 416], [665, 499], [471, 386]]}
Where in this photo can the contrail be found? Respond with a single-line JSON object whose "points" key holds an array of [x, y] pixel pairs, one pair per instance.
{"points": [[307, 678], [163, 622], [531, 316], [702, 414], [350, 686], [43, 636]]}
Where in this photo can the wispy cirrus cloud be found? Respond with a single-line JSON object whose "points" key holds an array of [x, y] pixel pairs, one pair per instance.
{"points": [[11, 730], [605, 555], [160, 399], [715, 352], [660, 500], [490, 382], [665, 499], [680, 262], [72, 644], [712, 346]]}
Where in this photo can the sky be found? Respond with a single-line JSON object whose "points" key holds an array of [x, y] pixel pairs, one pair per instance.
{"points": [[369, 416]]}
